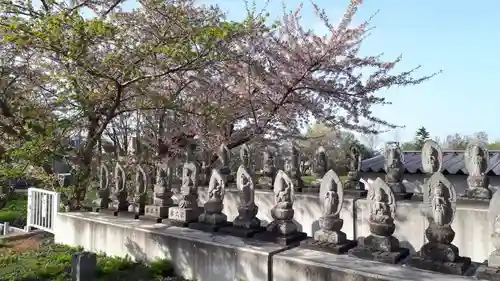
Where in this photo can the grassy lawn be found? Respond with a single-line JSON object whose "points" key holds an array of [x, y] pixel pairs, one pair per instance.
{"points": [[15, 211], [44, 261]]}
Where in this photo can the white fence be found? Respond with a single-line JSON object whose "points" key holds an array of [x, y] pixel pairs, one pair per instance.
{"points": [[43, 206]]}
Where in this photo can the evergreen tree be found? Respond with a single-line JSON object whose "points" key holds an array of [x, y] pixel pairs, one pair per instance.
{"points": [[420, 137]]}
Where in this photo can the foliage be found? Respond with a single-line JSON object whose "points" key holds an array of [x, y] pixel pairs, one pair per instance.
{"points": [[171, 71], [420, 137], [53, 262], [15, 211], [336, 143]]}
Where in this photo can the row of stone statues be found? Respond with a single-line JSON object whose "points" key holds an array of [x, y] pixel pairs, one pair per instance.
{"points": [[180, 207]]}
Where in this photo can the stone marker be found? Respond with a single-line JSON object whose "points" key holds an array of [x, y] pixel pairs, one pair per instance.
{"points": [[394, 169], [246, 223], [102, 202], [162, 199], [212, 218], [138, 203], [268, 170], [83, 266], [188, 210], [330, 238], [476, 159], [353, 187], [119, 193], [282, 230], [491, 271], [439, 207], [224, 155], [380, 245]]}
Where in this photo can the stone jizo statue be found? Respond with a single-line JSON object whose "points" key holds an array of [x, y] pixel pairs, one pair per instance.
{"points": [[476, 161], [381, 245], [439, 254]]}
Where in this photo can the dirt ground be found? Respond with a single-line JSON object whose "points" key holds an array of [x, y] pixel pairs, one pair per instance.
{"points": [[25, 244]]}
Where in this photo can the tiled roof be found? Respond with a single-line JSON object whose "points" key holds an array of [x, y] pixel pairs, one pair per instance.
{"points": [[453, 163]]}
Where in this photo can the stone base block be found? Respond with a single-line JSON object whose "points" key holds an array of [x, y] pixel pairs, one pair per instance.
{"points": [[356, 193], [240, 231], [488, 273], [176, 223], [280, 239], [386, 257], [312, 244], [182, 217], [208, 227], [458, 267], [464, 199], [156, 211], [153, 219]]}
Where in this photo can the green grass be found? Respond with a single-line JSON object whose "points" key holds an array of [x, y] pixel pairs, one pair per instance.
{"points": [[15, 211], [53, 262]]}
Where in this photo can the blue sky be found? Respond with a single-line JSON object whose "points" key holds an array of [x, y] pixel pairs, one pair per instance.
{"points": [[458, 39]]}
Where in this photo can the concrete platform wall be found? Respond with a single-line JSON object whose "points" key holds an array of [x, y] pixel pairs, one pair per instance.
{"points": [[214, 257]]}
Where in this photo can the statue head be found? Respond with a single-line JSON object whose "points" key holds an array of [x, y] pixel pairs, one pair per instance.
{"points": [[439, 189]]}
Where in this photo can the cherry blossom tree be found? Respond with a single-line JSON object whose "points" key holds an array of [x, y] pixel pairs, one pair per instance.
{"points": [[280, 77]]}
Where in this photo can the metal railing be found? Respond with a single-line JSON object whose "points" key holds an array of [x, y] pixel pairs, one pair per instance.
{"points": [[43, 206]]}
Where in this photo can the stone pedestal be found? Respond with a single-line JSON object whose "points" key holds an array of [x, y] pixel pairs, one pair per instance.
{"points": [[477, 191], [439, 254], [265, 182], [137, 206], [187, 212], [484, 272], [156, 213], [380, 248], [282, 230], [117, 207], [328, 247], [352, 186], [399, 191], [274, 234], [212, 219], [330, 238], [246, 224]]}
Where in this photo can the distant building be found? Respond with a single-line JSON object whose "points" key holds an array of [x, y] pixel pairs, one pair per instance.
{"points": [[453, 167]]}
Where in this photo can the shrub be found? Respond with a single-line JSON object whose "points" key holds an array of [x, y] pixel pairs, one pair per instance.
{"points": [[53, 262]]}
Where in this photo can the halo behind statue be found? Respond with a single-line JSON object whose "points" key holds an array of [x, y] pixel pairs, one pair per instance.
{"points": [[103, 176], [119, 171], [141, 179], [243, 173], [216, 178], [283, 178], [431, 150], [468, 155], [330, 179], [436, 178]]}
